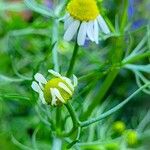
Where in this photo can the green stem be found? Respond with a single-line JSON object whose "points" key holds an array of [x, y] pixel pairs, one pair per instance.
{"points": [[77, 138], [136, 58], [58, 121], [105, 87], [73, 115], [57, 144], [124, 15], [114, 109], [73, 59]]}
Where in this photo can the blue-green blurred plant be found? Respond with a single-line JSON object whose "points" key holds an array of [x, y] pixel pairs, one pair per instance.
{"points": [[34, 44]]}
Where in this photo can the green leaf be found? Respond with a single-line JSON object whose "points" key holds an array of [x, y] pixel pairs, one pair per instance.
{"points": [[4, 78], [143, 68]]}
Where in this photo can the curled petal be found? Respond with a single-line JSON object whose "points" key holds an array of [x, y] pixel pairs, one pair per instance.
{"points": [[64, 87], [40, 78], [54, 100], [41, 96], [58, 95], [75, 81], [35, 87], [68, 81], [54, 73]]}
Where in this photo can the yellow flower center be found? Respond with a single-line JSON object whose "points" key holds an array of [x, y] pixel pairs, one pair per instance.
{"points": [[83, 10], [54, 83]]}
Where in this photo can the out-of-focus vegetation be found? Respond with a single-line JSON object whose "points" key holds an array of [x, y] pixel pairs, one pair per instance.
{"points": [[28, 32]]}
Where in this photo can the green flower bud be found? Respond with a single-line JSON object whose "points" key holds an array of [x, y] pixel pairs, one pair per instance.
{"points": [[131, 137], [119, 127]]}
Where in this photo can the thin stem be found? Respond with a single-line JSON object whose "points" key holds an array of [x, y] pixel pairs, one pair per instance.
{"points": [[57, 144], [105, 86], [136, 58], [124, 15], [67, 134], [77, 138], [114, 109], [73, 59], [73, 115]]}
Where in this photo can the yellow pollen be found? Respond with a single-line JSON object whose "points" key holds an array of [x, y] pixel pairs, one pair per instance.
{"points": [[53, 83], [83, 10]]}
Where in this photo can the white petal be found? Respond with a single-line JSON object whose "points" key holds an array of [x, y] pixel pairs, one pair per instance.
{"points": [[41, 86], [54, 100], [82, 33], [75, 81], [90, 30], [40, 78], [103, 25], [68, 21], [58, 95], [96, 31], [64, 87], [72, 30], [41, 96], [68, 81], [35, 87], [54, 73]]}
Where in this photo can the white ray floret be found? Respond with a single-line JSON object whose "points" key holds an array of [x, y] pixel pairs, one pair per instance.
{"points": [[84, 29], [41, 96], [41, 86], [96, 30], [90, 30], [54, 99], [58, 95], [82, 33], [56, 74], [40, 78], [64, 87], [35, 87], [71, 30], [68, 81], [68, 21], [75, 81], [103, 25]]}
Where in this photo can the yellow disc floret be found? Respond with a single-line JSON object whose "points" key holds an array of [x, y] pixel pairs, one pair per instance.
{"points": [[83, 10], [54, 83]]}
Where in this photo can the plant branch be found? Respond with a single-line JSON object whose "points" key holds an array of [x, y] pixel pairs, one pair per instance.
{"points": [[73, 115], [114, 109], [73, 59]]}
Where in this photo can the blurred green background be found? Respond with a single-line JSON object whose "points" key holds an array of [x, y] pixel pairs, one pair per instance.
{"points": [[26, 47]]}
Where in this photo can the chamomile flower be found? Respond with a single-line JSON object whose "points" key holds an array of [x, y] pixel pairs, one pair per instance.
{"points": [[83, 20], [56, 91]]}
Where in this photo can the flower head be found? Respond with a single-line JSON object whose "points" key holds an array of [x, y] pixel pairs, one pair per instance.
{"points": [[55, 91], [84, 20]]}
